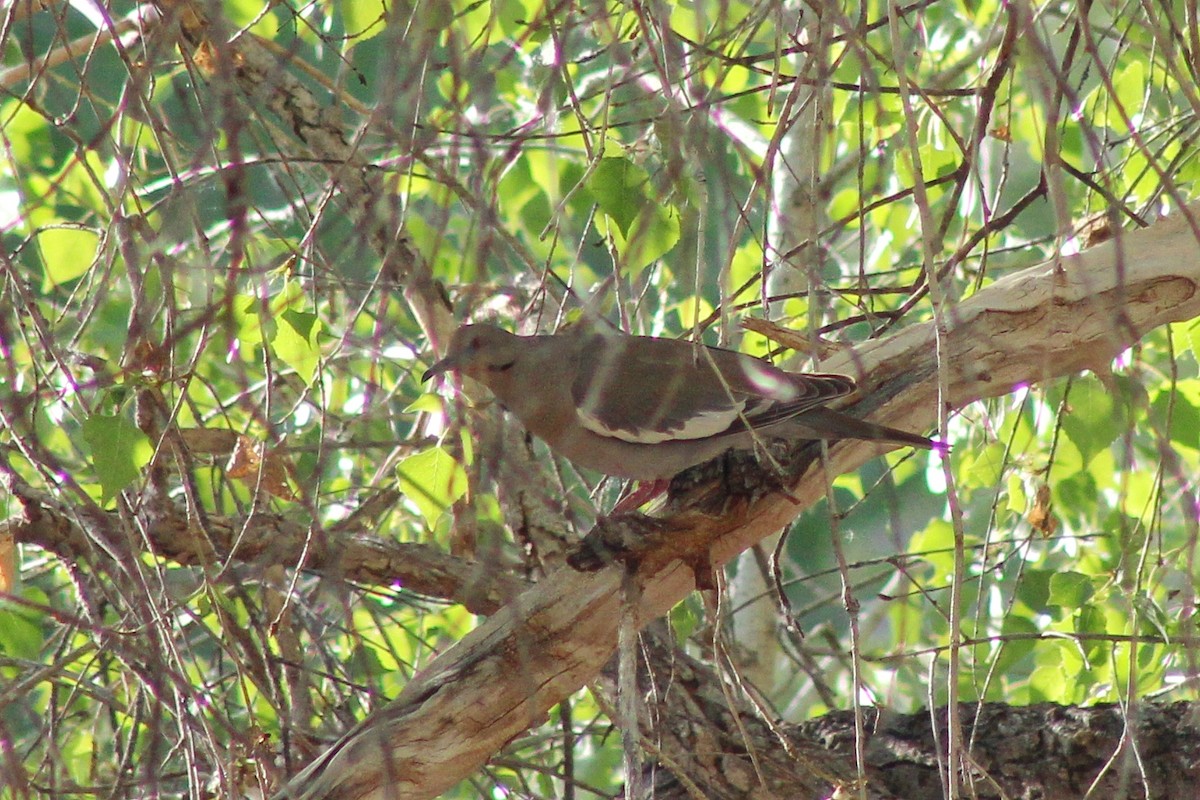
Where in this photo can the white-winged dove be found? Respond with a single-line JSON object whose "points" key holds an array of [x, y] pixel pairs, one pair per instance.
{"points": [[648, 408]]}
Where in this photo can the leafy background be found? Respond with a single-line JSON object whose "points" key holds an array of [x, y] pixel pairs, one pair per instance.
{"points": [[179, 258]]}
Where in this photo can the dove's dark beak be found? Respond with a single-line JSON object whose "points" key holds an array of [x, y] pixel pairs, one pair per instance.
{"points": [[446, 364]]}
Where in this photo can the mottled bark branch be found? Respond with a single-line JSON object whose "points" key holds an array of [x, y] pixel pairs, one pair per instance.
{"points": [[347, 553], [1045, 750]]}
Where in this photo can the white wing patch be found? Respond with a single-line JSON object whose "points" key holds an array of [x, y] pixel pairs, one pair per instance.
{"points": [[701, 426], [770, 382]]}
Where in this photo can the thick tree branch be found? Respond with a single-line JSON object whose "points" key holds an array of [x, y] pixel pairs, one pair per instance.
{"points": [[1043, 750], [348, 553], [1076, 312]]}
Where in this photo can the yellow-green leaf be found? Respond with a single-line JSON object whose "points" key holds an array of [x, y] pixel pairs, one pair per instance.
{"points": [[433, 481], [364, 18], [295, 342], [619, 188], [67, 253]]}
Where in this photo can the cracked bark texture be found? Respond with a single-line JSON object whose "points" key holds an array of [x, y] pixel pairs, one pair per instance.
{"points": [[1021, 753]]}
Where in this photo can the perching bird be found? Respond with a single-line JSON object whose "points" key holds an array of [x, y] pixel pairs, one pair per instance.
{"points": [[647, 408]]}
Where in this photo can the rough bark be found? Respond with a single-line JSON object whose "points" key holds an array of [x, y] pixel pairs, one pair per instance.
{"points": [[1076, 312], [1040, 751]]}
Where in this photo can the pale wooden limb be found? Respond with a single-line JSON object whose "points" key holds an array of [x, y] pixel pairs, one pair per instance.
{"points": [[1050, 320]]}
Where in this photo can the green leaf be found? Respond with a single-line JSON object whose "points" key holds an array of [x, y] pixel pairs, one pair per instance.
{"points": [[28, 133], [514, 16], [67, 253], [295, 343], [845, 203], [1181, 408], [935, 545], [690, 310], [1067, 465], [364, 18], [433, 481], [247, 324], [684, 620], [119, 451], [250, 13], [1017, 501], [1094, 422], [1070, 589], [1016, 649], [1141, 499], [1046, 683], [1130, 87], [1152, 616], [655, 233], [429, 403], [1091, 619], [363, 663], [21, 627], [745, 269], [77, 183], [1034, 589], [985, 466], [619, 188], [1191, 332]]}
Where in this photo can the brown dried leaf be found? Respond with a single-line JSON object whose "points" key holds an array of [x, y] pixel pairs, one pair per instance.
{"points": [[268, 471], [8, 561], [1095, 229], [1040, 516]]}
